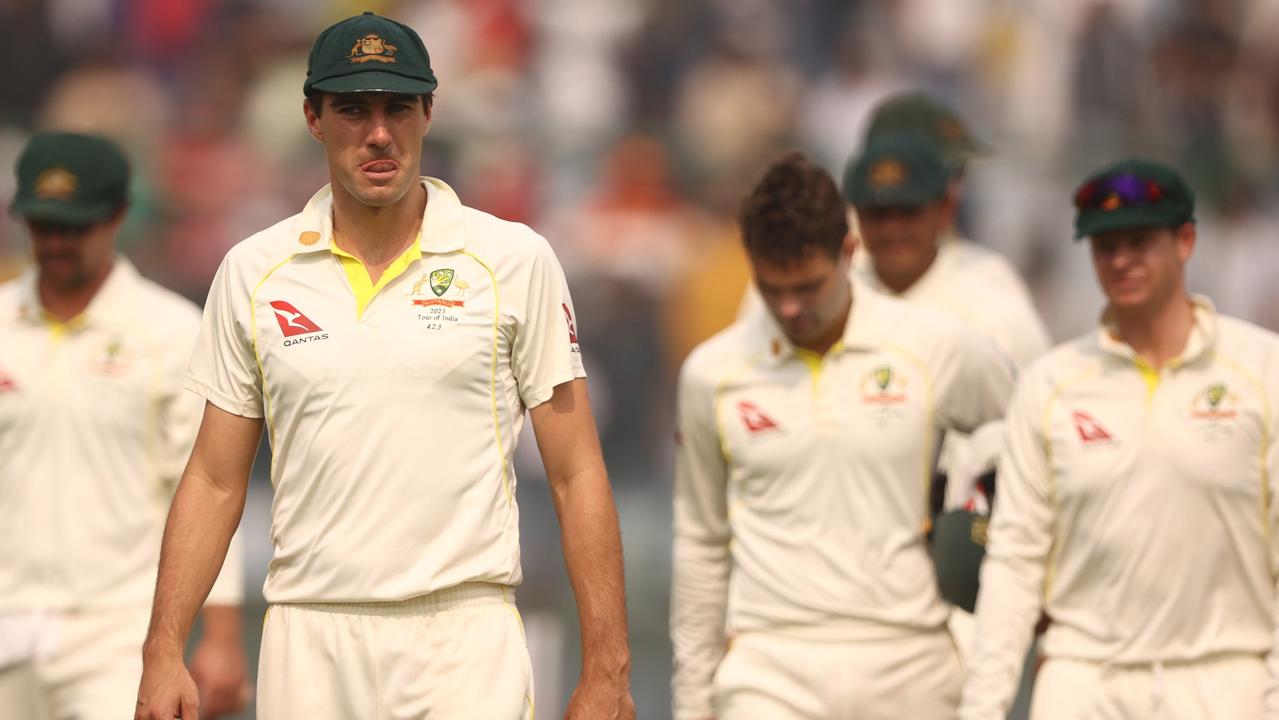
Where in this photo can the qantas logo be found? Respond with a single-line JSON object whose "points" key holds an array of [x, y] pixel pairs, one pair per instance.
{"points": [[754, 419], [572, 326], [1090, 431], [7, 383], [293, 323]]}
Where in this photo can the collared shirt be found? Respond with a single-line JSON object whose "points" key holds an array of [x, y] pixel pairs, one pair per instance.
{"points": [[392, 408], [801, 481], [1135, 507], [95, 430], [980, 288]]}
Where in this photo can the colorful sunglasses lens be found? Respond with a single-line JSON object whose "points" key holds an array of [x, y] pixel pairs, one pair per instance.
{"points": [[1117, 191]]}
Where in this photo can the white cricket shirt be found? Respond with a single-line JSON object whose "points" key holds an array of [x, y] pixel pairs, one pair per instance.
{"points": [[95, 430], [1135, 507], [801, 481], [392, 410], [980, 288]]}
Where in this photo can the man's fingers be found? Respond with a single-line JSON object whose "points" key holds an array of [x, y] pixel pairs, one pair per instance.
{"points": [[189, 707]]}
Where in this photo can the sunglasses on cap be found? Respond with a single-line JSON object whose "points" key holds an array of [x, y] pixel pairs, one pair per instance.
{"points": [[1117, 191]]}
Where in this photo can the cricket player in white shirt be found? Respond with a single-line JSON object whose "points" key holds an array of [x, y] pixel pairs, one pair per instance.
{"points": [[94, 429], [802, 582], [1136, 491], [912, 250], [390, 340]]}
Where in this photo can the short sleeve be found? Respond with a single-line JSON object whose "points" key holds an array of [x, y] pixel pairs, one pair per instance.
{"points": [[223, 368], [545, 352]]}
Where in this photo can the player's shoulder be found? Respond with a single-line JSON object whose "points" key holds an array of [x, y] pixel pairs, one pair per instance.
{"points": [[266, 248], [257, 255], [726, 352], [912, 326], [984, 268], [502, 241], [1066, 363], [1243, 340], [11, 290]]}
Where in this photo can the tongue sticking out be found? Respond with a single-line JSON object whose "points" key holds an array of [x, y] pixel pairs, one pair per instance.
{"points": [[379, 166]]}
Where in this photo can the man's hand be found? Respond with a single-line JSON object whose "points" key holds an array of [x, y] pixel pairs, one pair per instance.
{"points": [[218, 663], [167, 691], [601, 699], [220, 676]]}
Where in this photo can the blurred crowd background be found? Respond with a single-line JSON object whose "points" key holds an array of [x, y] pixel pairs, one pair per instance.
{"points": [[625, 131]]}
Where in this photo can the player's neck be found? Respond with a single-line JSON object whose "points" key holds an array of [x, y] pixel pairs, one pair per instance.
{"points": [[377, 235], [832, 335], [899, 282], [64, 302], [1158, 334]]}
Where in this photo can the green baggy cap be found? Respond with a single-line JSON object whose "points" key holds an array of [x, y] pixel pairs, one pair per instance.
{"points": [[1132, 193], [921, 114], [369, 53], [896, 170], [70, 179]]}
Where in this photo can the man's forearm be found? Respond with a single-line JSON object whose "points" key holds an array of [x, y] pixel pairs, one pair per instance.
{"points": [[593, 555], [202, 519]]}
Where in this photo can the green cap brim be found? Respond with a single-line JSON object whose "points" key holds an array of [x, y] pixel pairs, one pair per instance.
{"points": [[900, 197], [1094, 222], [57, 211], [375, 81]]}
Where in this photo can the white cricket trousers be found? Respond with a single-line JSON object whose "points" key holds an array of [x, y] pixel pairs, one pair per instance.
{"points": [[772, 676], [88, 668], [457, 654], [1222, 687]]}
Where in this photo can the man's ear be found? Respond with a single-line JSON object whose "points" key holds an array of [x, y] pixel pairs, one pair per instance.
{"points": [[312, 120], [1186, 235]]}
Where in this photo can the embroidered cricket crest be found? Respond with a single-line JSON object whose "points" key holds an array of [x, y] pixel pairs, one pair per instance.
{"points": [[1214, 402], [883, 386], [56, 183], [887, 173], [372, 47], [441, 280]]}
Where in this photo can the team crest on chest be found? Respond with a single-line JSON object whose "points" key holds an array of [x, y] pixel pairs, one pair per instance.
{"points": [[440, 282], [112, 360], [439, 294], [1214, 402], [1213, 412], [883, 386]]}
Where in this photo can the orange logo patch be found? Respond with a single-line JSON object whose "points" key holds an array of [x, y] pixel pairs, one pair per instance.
{"points": [[372, 47], [56, 183], [887, 173], [309, 238]]}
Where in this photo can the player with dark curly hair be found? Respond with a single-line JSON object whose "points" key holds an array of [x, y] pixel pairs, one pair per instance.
{"points": [[817, 423]]}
